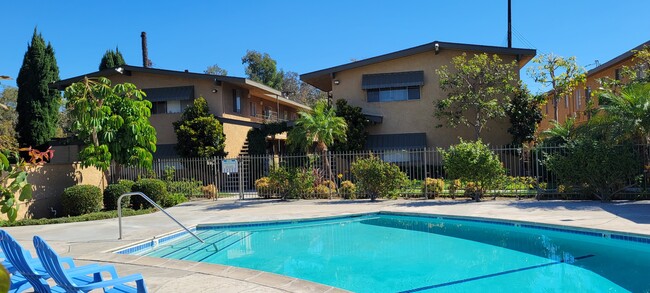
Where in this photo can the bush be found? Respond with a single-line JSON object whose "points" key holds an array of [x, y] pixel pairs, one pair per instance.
{"points": [[173, 199], [279, 181], [112, 193], [454, 186], [595, 167], [263, 187], [348, 190], [377, 178], [81, 199], [128, 183], [153, 188], [432, 187], [301, 183], [473, 162], [323, 191], [185, 187]]}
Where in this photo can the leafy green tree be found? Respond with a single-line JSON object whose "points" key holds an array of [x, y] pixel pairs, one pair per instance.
{"points": [[199, 133], [525, 113], [477, 91], [561, 74], [8, 118], [37, 103], [356, 134], [300, 91], [112, 122], [262, 68], [215, 70], [111, 59]]}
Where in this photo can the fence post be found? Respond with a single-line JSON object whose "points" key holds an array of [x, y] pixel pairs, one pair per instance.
{"points": [[426, 186], [241, 178]]}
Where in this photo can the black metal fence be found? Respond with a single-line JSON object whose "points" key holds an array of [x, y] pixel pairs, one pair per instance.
{"points": [[235, 177]]}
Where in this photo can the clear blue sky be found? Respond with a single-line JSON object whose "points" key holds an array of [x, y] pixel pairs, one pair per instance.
{"points": [[307, 35]]}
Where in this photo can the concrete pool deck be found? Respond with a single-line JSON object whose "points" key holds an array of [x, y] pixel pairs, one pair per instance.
{"points": [[90, 242]]}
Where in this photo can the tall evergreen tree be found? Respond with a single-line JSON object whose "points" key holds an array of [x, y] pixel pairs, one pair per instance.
{"points": [[111, 59], [37, 104]]}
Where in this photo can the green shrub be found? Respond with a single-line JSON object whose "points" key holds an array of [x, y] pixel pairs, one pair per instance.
{"points": [[279, 181], [454, 187], [348, 190], [81, 199], [185, 187], [377, 178], [323, 191], [263, 187], [432, 187], [173, 199], [153, 188], [112, 193], [473, 162], [128, 183], [595, 167], [83, 218], [301, 183]]}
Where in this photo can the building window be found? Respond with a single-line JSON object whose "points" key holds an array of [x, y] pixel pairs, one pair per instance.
{"points": [[159, 107], [394, 94], [170, 107], [268, 112], [617, 74], [641, 71], [253, 109], [236, 101], [566, 101], [578, 99]]}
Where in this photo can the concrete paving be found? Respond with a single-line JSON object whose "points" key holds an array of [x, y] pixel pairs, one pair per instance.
{"points": [[91, 242]]}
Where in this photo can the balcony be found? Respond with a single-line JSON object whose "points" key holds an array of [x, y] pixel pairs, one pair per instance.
{"points": [[269, 117]]}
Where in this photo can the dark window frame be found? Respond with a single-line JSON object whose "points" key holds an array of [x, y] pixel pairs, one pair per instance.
{"points": [[413, 92]]}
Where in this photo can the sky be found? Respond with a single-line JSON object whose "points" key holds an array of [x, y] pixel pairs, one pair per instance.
{"points": [[304, 36]]}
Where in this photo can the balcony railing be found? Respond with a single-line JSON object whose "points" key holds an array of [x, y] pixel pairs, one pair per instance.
{"points": [[268, 117]]}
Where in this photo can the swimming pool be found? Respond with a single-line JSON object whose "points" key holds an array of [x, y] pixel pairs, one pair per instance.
{"points": [[390, 252]]}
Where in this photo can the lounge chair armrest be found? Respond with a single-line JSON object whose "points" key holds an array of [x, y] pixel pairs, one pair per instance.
{"points": [[87, 269], [112, 282]]}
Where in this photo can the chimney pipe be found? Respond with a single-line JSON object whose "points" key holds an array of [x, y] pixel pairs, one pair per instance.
{"points": [[145, 54], [509, 23]]}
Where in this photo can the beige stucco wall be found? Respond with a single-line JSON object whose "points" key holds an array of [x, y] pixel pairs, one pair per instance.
{"points": [[414, 116], [235, 138], [48, 183]]}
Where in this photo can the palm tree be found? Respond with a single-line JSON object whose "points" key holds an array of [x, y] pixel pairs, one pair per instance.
{"points": [[560, 133], [631, 110], [320, 126]]}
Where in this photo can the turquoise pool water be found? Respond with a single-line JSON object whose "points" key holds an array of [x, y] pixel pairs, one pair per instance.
{"points": [[403, 253]]}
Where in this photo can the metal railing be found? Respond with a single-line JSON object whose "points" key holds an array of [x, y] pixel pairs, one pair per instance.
{"points": [[119, 213], [203, 177]]}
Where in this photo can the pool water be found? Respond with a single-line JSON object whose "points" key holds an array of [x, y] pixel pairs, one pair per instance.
{"points": [[403, 253]]}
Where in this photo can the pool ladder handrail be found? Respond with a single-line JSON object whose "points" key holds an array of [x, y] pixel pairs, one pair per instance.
{"points": [[119, 213]]}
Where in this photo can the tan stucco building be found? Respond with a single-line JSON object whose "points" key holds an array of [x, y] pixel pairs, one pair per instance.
{"points": [[397, 92], [575, 105], [238, 103]]}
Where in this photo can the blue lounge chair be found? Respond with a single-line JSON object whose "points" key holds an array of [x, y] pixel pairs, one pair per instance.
{"points": [[51, 262], [28, 272]]}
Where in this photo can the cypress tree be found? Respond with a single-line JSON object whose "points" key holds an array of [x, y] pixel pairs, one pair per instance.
{"points": [[111, 59], [37, 104]]}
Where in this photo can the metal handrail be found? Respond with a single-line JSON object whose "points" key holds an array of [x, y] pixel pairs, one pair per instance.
{"points": [[119, 212]]}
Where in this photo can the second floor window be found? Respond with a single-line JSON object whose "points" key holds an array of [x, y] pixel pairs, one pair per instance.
{"points": [[394, 94], [236, 101]]}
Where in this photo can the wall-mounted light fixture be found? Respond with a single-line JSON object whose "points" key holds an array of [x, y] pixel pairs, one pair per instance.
{"points": [[215, 90], [337, 82]]}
